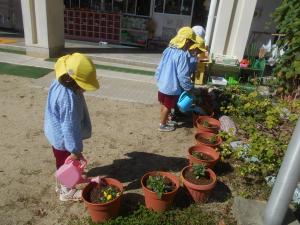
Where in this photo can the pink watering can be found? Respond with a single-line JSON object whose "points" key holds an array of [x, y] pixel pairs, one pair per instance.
{"points": [[70, 173]]}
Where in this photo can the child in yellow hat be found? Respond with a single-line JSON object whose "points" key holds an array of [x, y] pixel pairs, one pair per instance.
{"points": [[198, 53], [67, 121], [173, 74]]}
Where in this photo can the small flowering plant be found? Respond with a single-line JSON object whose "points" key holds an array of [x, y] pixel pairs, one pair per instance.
{"points": [[108, 193], [159, 184]]}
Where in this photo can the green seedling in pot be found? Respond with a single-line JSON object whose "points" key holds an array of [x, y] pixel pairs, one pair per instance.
{"points": [[159, 185], [206, 124], [198, 155], [199, 170], [213, 139]]}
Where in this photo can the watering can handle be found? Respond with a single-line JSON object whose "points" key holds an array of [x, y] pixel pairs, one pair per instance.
{"points": [[82, 160], [183, 94]]}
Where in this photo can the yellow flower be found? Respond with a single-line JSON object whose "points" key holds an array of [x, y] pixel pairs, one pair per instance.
{"points": [[105, 194], [108, 197]]}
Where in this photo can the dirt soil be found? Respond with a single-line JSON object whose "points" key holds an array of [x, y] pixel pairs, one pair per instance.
{"points": [[125, 144]]}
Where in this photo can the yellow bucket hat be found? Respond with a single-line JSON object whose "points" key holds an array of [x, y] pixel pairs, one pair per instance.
{"points": [[80, 68], [183, 34], [199, 44]]}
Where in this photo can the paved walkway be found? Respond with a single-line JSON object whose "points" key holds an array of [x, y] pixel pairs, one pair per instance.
{"points": [[114, 85]]}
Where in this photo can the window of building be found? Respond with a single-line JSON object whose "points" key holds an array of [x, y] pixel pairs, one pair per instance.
{"points": [[181, 7], [187, 6], [143, 7], [173, 6], [159, 6]]}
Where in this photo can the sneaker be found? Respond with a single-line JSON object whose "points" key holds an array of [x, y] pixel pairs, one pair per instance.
{"points": [[172, 123], [166, 128], [69, 194]]}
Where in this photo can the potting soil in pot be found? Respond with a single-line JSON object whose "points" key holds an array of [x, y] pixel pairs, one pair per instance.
{"points": [[209, 125], [202, 156], [204, 140], [189, 176], [103, 194]]}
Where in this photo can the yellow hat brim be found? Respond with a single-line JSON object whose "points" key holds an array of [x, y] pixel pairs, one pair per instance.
{"points": [[92, 84]]}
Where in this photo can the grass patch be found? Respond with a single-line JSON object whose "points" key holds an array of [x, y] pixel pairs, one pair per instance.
{"points": [[23, 71], [116, 68], [193, 215], [15, 51]]}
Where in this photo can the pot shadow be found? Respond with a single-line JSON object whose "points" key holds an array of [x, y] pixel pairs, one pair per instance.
{"points": [[222, 168], [182, 198], [220, 193], [131, 169], [130, 203]]}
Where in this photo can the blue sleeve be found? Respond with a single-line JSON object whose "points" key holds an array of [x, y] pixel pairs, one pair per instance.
{"points": [[183, 71], [71, 124], [158, 70], [193, 64]]}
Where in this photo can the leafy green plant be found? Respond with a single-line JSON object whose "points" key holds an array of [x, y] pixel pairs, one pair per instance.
{"points": [[265, 124], [199, 170], [108, 193], [159, 185], [213, 139], [206, 124], [198, 155], [287, 18]]}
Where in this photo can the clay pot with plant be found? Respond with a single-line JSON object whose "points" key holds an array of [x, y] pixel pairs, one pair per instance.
{"points": [[208, 139], [208, 124], [103, 199], [159, 190], [199, 181], [201, 154], [196, 117]]}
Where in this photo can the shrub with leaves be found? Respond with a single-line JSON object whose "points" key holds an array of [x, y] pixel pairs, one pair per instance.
{"points": [[265, 125], [287, 18]]}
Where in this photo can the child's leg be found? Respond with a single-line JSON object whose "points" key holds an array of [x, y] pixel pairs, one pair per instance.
{"points": [[60, 156], [164, 114]]}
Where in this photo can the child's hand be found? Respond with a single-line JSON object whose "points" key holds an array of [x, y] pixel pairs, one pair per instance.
{"points": [[76, 156]]}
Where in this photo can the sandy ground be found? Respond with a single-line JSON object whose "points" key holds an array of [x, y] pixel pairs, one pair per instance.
{"points": [[125, 144]]}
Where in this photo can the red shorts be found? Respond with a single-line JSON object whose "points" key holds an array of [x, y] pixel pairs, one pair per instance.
{"points": [[60, 156], [168, 101]]}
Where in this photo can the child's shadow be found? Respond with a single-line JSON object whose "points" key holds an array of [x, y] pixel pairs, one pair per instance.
{"points": [[132, 169]]}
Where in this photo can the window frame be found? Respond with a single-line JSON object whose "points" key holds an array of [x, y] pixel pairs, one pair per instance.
{"points": [[181, 5]]}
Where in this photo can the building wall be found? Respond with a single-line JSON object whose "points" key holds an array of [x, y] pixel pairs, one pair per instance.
{"points": [[11, 14]]}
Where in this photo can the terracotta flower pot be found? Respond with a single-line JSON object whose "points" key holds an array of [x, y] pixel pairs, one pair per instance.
{"points": [[196, 117], [200, 138], [199, 193], [101, 212], [211, 121], [151, 199], [209, 151]]}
